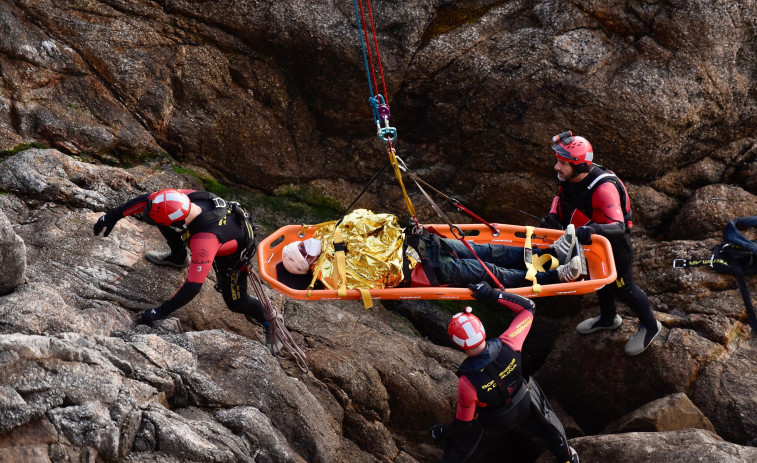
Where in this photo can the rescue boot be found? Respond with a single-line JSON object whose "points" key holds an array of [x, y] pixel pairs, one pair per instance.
{"points": [[565, 245], [168, 259], [642, 339], [594, 324], [570, 271]]}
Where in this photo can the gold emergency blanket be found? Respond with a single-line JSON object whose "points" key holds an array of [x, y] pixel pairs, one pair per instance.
{"points": [[373, 250]]}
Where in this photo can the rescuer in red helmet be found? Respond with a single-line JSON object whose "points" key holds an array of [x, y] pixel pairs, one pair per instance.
{"points": [[218, 234], [492, 395], [595, 201]]}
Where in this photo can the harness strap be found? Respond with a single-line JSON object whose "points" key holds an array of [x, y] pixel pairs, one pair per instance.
{"points": [[340, 274], [366, 295], [316, 272], [398, 174], [529, 261]]}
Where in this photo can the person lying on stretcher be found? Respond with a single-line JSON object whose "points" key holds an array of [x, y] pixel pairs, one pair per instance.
{"points": [[427, 259]]}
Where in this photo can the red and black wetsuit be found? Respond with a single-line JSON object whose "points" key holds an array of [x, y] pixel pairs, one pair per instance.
{"points": [[601, 200], [492, 394], [215, 235]]}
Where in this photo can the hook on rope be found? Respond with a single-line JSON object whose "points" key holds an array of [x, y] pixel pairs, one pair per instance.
{"points": [[457, 232], [381, 113], [401, 163]]}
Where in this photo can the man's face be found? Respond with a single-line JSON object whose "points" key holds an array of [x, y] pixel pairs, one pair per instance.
{"points": [[564, 170]]}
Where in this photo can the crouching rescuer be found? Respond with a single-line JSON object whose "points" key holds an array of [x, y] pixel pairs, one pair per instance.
{"points": [[218, 235], [492, 395]]}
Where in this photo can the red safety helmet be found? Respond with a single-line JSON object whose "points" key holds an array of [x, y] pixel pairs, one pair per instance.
{"points": [[575, 150], [466, 330], [166, 207]]}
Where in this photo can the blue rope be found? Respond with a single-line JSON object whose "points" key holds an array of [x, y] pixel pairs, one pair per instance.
{"points": [[371, 99]]}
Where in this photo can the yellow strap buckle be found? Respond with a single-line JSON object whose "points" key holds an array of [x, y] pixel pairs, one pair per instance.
{"points": [[535, 265]]}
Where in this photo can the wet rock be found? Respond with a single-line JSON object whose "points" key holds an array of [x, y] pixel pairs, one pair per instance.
{"points": [[659, 447], [673, 413]]}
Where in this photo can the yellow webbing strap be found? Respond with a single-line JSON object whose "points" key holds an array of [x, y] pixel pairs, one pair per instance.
{"points": [[543, 259], [393, 160], [367, 301], [340, 274], [528, 260], [316, 272]]}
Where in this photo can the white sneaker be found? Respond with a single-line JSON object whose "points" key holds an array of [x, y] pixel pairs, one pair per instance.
{"points": [[164, 258], [592, 325], [565, 245], [641, 340], [570, 271]]}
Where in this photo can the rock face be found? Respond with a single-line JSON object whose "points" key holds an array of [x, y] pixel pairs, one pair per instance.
{"points": [[268, 93], [687, 445], [79, 380], [672, 413]]}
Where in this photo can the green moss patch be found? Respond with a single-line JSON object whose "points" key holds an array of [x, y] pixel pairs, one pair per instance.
{"points": [[5, 154]]}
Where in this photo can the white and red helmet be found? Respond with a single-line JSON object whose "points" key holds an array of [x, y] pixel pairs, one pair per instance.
{"points": [[166, 207], [298, 255], [466, 330]]}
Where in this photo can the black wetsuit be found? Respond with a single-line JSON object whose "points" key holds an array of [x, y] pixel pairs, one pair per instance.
{"points": [[216, 239]]}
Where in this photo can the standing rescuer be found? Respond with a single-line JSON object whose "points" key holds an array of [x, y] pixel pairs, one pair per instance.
{"points": [[219, 235], [595, 201], [492, 395]]}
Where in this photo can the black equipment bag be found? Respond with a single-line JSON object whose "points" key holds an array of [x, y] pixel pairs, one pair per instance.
{"points": [[738, 257]]}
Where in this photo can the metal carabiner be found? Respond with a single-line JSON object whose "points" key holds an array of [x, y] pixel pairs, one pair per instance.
{"points": [[679, 263], [387, 133], [455, 231], [400, 163], [384, 113]]}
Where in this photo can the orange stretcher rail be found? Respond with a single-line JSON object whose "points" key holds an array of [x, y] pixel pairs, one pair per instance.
{"points": [[598, 256]]}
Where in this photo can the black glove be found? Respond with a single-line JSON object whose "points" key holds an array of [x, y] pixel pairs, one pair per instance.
{"points": [[584, 234], [107, 222], [484, 292], [437, 432], [508, 299], [550, 221], [148, 317]]}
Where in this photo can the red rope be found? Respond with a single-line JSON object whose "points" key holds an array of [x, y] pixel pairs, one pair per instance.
{"points": [[474, 216], [368, 43], [378, 56]]}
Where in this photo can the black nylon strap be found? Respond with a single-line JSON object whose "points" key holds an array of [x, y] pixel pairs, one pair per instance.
{"points": [[744, 288], [685, 263]]}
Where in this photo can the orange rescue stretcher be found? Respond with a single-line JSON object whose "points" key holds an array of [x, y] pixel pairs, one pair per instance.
{"points": [[599, 258]]}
